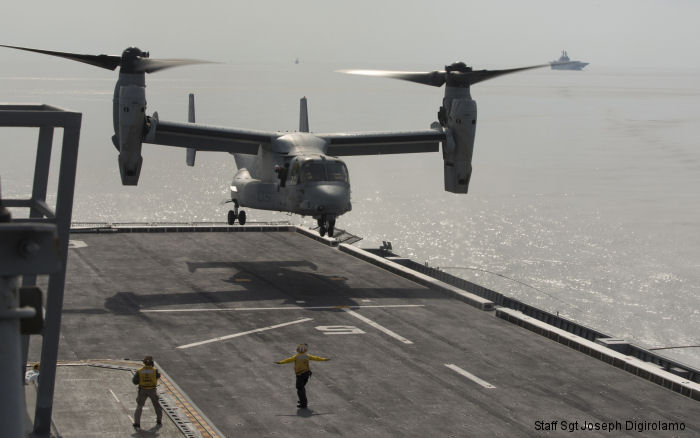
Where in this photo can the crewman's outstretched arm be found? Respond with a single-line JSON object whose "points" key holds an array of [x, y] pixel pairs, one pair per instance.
{"points": [[287, 360], [318, 358]]}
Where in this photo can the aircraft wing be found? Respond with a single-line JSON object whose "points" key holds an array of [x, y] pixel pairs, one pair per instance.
{"points": [[375, 143], [207, 138]]}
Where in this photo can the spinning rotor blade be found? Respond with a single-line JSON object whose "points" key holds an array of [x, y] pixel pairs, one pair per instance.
{"points": [[104, 61], [434, 78], [457, 74], [483, 75], [149, 65], [137, 61]]}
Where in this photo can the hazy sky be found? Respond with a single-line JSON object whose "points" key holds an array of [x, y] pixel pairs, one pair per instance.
{"points": [[486, 34]]}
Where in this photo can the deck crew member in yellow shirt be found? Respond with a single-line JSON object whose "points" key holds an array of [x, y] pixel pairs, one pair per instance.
{"points": [[301, 369], [147, 378]]}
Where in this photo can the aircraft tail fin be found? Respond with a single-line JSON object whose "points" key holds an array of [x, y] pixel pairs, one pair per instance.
{"points": [[303, 116], [191, 152]]}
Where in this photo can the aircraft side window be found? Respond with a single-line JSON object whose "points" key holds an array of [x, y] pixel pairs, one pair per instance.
{"points": [[305, 173], [295, 172]]}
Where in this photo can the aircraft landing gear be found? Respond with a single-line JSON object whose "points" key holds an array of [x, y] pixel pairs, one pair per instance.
{"points": [[235, 214], [326, 225], [331, 227]]}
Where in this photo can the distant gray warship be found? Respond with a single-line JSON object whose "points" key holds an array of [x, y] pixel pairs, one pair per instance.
{"points": [[564, 63]]}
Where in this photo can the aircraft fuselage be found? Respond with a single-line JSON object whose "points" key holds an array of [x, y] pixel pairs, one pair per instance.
{"points": [[294, 174]]}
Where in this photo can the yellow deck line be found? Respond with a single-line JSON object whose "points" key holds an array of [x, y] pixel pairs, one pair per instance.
{"points": [[192, 414]]}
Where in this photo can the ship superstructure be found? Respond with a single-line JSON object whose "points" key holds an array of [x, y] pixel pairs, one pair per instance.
{"points": [[565, 63]]}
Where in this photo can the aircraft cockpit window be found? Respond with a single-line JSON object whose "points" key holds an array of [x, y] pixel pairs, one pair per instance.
{"points": [[313, 171], [323, 171], [337, 171]]}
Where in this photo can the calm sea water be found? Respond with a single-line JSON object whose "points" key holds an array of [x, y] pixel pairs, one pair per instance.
{"points": [[584, 198]]}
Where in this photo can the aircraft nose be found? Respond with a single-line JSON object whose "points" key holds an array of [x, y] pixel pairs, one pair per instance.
{"points": [[330, 198]]}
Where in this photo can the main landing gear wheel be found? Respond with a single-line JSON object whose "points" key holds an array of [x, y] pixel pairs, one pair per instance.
{"points": [[232, 217], [331, 227], [326, 226], [235, 214], [321, 226]]}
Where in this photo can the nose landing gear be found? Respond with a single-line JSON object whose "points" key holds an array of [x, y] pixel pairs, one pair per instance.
{"points": [[235, 214], [326, 224]]}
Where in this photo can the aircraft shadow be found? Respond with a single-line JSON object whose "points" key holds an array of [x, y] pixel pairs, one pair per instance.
{"points": [[296, 283]]}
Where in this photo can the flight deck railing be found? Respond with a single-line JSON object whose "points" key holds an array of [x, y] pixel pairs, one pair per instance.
{"points": [[32, 246], [619, 345]]}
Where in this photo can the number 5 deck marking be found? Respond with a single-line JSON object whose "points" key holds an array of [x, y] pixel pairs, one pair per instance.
{"points": [[340, 330]]}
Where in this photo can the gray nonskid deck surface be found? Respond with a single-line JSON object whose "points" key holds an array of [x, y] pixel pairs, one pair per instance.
{"points": [[129, 295], [96, 399]]}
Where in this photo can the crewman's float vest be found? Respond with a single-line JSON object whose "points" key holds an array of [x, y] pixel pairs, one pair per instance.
{"points": [[147, 377], [301, 363]]}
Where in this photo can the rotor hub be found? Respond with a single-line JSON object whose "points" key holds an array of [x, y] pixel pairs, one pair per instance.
{"points": [[134, 52], [458, 67], [131, 58]]}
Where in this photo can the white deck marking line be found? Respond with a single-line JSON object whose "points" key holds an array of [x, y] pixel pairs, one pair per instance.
{"points": [[469, 376], [377, 326], [122, 405], [235, 335], [242, 309], [114, 395]]}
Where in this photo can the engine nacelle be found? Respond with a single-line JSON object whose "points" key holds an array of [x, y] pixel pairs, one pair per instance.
{"points": [[458, 148], [131, 128]]}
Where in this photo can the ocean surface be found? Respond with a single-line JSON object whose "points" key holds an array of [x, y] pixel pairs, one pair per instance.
{"points": [[584, 199]]}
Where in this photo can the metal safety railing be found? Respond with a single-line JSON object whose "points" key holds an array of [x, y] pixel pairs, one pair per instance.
{"points": [[628, 348], [32, 246]]}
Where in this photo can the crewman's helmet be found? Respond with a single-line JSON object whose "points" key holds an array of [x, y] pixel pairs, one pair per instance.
{"points": [[301, 348], [148, 360]]}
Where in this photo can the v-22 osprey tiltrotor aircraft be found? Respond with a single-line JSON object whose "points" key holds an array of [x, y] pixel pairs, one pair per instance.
{"points": [[295, 172]]}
